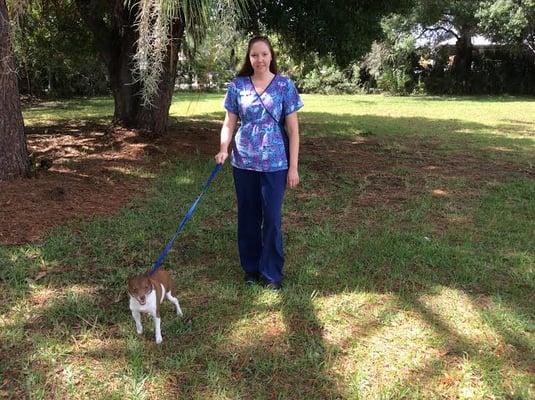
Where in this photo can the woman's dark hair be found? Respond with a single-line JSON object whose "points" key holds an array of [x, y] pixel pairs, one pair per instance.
{"points": [[247, 68]]}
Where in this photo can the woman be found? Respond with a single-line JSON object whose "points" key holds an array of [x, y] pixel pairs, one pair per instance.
{"points": [[264, 158]]}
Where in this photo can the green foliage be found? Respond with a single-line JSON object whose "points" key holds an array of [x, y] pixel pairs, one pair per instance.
{"points": [[391, 62], [495, 71], [56, 55], [343, 28], [213, 61], [160, 22], [394, 80], [445, 13], [327, 78], [510, 21]]}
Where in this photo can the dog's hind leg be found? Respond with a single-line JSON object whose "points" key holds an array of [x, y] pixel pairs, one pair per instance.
{"points": [[174, 300]]}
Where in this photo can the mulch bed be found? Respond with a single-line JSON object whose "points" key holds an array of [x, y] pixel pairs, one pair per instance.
{"points": [[90, 174]]}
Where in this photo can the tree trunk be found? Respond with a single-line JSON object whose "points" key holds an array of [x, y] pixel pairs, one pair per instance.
{"points": [[125, 90], [49, 75], [14, 160], [462, 63], [111, 23], [114, 31]]}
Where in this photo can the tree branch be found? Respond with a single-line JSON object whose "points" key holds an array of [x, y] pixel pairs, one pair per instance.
{"points": [[437, 29]]}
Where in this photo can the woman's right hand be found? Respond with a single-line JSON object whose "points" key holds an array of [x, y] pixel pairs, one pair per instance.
{"points": [[221, 157]]}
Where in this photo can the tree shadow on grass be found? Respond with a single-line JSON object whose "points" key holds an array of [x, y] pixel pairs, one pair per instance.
{"points": [[204, 358], [438, 137], [401, 279], [403, 274], [492, 361], [475, 99]]}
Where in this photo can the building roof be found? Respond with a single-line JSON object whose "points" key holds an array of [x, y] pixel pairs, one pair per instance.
{"points": [[477, 40]]}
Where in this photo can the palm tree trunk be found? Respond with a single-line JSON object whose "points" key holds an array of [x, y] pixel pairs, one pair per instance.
{"points": [[14, 160], [153, 118]]}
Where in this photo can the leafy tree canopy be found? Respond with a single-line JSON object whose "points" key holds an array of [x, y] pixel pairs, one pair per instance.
{"points": [[55, 52], [510, 21], [343, 28], [506, 21]]}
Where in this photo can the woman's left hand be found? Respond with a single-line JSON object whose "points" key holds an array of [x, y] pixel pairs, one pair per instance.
{"points": [[293, 177]]}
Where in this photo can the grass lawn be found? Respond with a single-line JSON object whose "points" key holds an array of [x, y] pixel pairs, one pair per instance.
{"points": [[410, 268]]}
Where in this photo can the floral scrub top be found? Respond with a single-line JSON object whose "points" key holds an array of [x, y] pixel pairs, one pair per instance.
{"points": [[260, 143]]}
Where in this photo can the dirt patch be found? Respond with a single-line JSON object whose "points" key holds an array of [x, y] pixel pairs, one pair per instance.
{"points": [[384, 173], [361, 163], [92, 170], [88, 170]]}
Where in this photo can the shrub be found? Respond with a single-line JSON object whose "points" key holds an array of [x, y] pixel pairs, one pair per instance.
{"points": [[329, 79]]}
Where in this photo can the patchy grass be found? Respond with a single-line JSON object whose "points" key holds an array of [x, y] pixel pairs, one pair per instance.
{"points": [[410, 267]]}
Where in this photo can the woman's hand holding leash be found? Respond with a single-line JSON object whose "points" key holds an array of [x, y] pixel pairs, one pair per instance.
{"points": [[227, 131], [221, 157]]}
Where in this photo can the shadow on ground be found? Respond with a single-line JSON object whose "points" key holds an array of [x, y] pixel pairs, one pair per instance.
{"points": [[352, 228]]}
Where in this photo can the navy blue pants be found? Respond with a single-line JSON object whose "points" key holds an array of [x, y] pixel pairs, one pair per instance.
{"points": [[260, 196]]}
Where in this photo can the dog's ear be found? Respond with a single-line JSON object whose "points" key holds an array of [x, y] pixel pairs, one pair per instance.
{"points": [[129, 285]]}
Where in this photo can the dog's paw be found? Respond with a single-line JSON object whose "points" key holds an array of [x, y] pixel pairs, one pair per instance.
{"points": [[159, 340], [179, 313]]}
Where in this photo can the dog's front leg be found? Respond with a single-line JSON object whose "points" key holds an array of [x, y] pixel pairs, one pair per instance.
{"points": [[157, 331], [137, 318]]}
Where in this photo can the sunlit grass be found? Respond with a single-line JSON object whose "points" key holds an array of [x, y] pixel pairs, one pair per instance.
{"points": [[407, 276], [97, 109], [132, 172]]}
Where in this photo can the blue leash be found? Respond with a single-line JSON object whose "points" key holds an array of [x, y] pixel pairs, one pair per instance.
{"points": [[188, 215]]}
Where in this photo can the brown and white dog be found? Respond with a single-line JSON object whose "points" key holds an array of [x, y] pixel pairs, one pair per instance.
{"points": [[147, 293]]}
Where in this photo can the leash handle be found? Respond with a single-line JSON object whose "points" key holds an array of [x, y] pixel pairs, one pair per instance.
{"points": [[157, 264]]}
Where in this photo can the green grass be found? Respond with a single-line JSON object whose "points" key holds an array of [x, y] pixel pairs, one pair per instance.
{"points": [[97, 109], [410, 267]]}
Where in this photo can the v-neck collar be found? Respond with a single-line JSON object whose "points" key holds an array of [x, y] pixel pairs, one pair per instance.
{"points": [[267, 87]]}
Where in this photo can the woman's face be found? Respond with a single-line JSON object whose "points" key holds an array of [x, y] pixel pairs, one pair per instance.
{"points": [[260, 57]]}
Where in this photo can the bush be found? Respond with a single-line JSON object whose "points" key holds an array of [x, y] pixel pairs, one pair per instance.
{"points": [[329, 79], [395, 81], [56, 54], [497, 71]]}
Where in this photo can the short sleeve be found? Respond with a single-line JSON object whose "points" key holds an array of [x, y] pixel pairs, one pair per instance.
{"points": [[231, 99], [291, 100]]}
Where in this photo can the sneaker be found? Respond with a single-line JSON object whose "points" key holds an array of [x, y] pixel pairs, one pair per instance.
{"points": [[274, 286], [251, 279]]}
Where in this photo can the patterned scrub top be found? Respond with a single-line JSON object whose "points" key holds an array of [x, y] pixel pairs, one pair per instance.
{"points": [[260, 144]]}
